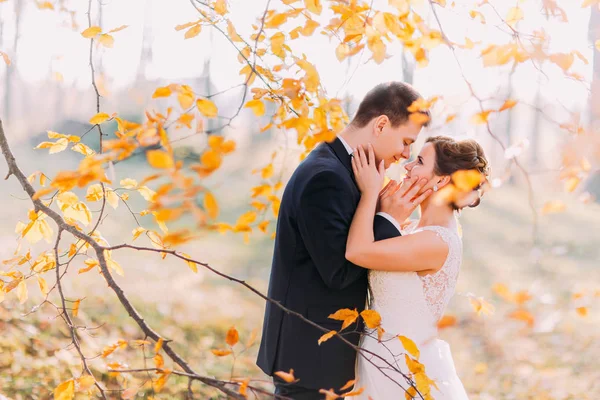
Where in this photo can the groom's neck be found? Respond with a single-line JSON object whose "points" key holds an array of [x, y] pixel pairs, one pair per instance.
{"points": [[354, 136]]}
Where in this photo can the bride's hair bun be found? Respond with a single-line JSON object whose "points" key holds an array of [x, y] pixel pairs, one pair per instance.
{"points": [[452, 155]]}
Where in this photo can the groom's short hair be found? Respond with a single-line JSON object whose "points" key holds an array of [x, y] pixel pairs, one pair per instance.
{"points": [[391, 99]]}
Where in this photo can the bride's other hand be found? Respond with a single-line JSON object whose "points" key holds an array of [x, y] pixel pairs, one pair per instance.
{"points": [[369, 176]]}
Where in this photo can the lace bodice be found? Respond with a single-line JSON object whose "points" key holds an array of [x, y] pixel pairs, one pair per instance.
{"points": [[438, 288], [409, 302]]}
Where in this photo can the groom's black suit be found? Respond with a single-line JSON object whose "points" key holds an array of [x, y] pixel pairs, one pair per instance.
{"points": [[310, 273]]}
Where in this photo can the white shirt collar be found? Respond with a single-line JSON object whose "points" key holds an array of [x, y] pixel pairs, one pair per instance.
{"points": [[346, 145]]}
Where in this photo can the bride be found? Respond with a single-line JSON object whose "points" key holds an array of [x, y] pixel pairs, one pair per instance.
{"points": [[413, 276]]}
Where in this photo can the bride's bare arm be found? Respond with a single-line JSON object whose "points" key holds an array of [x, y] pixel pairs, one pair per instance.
{"points": [[421, 251]]}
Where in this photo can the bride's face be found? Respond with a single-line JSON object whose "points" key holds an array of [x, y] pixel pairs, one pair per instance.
{"points": [[423, 167]]}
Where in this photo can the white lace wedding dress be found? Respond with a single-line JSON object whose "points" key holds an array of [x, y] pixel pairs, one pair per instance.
{"points": [[411, 305]]}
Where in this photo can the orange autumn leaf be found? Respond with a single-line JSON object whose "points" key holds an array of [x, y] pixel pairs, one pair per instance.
{"points": [[522, 315], [221, 352], [481, 118], [353, 393], [159, 159], [326, 337], [207, 108], [211, 205], [158, 345], [507, 105], [286, 376], [91, 32], [329, 394], [5, 58], [446, 321], [348, 385], [346, 315], [372, 318], [164, 91], [582, 311], [232, 336], [410, 346], [76, 307], [99, 118], [159, 361], [553, 207], [65, 391]]}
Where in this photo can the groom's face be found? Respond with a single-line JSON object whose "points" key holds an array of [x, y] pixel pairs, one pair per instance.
{"points": [[392, 144]]}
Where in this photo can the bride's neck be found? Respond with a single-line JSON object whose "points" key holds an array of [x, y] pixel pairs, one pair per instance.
{"points": [[436, 214]]}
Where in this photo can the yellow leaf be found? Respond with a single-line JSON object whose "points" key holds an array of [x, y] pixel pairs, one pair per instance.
{"points": [[22, 292], [86, 382], [158, 345], [314, 6], [263, 226], [446, 321], [159, 362], [186, 25], [582, 311], [572, 183], [211, 206], [128, 183], [5, 57], [233, 35], [481, 306], [45, 5], [99, 118], [147, 193], [553, 207], [480, 118], [207, 108], [410, 346], [564, 61], [83, 149], [276, 20], [286, 376], [55, 147], [43, 285], [164, 91], [232, 336], [522, 315], [346, 315], [329, 394], [221, 353], [221, 7], [515, 14], [190, 264], [348, 385], [120, 28], [353, 393], [76, 307], [326, 337], [257, 106], [246, 218], [467, 180], [193, 31], [160, 382], [159, 159], [372, 318], [106, 40], [508, 104], [91, 32], [65, 391]]}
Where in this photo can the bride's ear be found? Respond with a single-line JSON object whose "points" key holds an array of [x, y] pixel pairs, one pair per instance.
{"points": [[443, 181]]}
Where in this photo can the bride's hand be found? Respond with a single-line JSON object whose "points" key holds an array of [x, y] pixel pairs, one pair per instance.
{"points": [[369, 177]]}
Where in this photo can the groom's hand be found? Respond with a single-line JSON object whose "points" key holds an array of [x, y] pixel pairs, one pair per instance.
{"points": [[400, 200]]}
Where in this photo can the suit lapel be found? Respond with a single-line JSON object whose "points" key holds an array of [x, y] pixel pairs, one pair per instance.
{"points": [[340, 151], [342, 154]]}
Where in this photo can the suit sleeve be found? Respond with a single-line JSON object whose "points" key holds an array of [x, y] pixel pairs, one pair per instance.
{"points": [[384, 229], [324, 217]]}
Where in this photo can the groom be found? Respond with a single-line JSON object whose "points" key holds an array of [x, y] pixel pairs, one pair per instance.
{"points": [[310, 274]]}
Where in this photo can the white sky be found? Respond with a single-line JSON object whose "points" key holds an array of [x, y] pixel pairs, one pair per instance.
{"points": [[46, 46]]}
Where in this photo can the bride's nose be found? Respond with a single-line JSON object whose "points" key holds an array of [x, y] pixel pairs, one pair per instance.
{"points": [[408, 166]]}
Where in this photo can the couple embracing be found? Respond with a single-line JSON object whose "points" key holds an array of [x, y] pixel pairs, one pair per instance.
{"points": [[340, 236]]}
